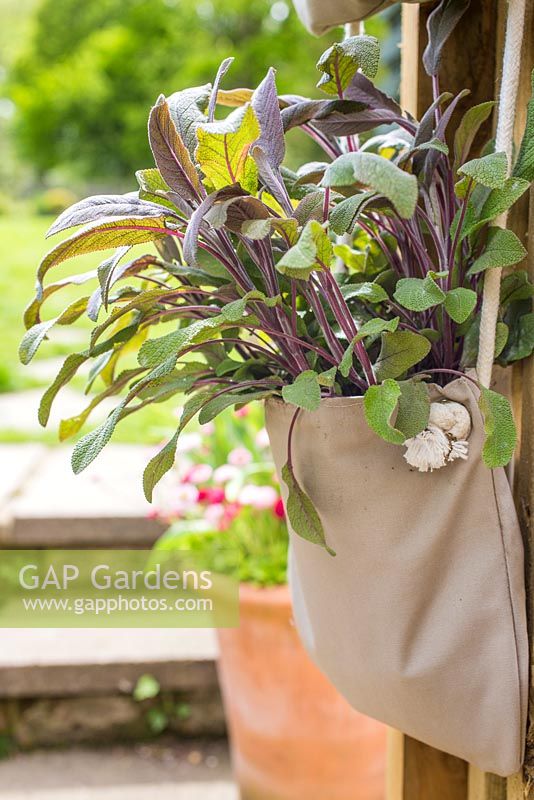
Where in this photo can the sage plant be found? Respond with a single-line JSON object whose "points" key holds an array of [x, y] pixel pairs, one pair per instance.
{"points": [[357, 275]]}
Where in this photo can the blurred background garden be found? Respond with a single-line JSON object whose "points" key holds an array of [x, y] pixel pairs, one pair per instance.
{"points": [[77, 81]]}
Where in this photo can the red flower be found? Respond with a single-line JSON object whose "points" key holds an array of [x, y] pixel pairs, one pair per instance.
{"points": [[278, 509], [211, 495]]}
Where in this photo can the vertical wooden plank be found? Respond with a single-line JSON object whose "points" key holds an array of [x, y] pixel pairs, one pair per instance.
{"points": [[525, 504], [521, 787], [516, 789], [483, 786], [410, 59], [395, 765], [430, 774], [472, 67], [416, 771]]}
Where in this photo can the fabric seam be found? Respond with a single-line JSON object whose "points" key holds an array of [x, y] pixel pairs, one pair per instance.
{"points": [[522, 721]]}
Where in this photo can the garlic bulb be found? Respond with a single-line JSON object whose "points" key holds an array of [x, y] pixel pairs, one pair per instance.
{"points": [[453, 418], [443, 440]]}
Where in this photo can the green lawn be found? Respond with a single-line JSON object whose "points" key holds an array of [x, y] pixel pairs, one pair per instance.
{"points": [[22, 244]]}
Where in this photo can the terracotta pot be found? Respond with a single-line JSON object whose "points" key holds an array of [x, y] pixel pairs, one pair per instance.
{"points": [[293, 736]]}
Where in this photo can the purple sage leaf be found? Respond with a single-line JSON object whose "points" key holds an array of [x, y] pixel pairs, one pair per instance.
{"points": [[266, 107], [221, 72], [106, 205], [440, 24], [170, 153]]}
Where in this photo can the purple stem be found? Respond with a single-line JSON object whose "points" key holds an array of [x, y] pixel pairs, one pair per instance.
{"points": [[329, 147], [422, 259], [329, 334], [293, 307], [352, 144], [279, 335], [438, 243], [344, 318], [447, 372], [435, 95], [389, 254], [290, 439]]}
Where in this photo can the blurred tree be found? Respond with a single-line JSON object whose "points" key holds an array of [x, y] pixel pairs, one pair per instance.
{"points": [[90, 71]]}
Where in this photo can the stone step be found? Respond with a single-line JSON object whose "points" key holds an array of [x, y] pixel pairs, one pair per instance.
{"points": [[164, 771], [67, 662], [68, 686], [43, 504]]}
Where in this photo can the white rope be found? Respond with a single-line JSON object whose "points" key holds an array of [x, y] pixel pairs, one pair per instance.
{"points": [[354, 29], [503, 143]]}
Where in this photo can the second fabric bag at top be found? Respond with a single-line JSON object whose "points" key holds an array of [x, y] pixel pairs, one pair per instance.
{"points": [[319, 16]]}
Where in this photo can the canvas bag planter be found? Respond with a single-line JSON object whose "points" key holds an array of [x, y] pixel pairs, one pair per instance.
{"points": [[420, 618]]}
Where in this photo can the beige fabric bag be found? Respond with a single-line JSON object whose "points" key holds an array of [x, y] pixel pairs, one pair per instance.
{"points": [[420, 618], [320, 15]]}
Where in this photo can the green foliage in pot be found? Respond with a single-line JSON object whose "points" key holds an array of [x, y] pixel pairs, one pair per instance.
{"points": [[252, 294]]}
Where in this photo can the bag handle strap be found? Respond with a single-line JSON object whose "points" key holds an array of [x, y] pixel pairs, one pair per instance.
{"points": [[504, 141]]}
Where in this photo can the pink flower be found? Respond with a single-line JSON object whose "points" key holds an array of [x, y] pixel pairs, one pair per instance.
{"points": [[214, 514], [186, 496], [207, 429], [262, 438], [278, 509], [242, 412], [231, 510], [240, 457], [188, 442], [211, 495], [176, 504], [260, 497], [199, 473], [225, 473]]}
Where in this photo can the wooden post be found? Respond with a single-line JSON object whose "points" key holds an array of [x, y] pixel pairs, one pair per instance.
{"points": [[419, 772], [522, 787], [483, 786], [471, 59]]}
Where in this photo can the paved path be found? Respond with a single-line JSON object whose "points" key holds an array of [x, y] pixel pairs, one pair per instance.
{"points": [[149, 772], [43, 504], [18, 410]]}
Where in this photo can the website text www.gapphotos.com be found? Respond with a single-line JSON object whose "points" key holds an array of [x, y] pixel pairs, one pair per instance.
{"points": [[112, 605]]}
